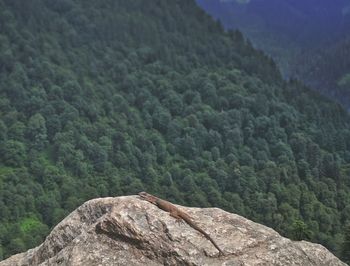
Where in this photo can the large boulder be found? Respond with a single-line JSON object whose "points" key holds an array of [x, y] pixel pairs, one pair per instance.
{"points": [[131, 231]]}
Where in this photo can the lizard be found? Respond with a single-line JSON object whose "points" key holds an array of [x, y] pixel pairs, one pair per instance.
{"points": [[178, 214]]}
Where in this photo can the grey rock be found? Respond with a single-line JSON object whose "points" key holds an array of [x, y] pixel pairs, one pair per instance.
{"points": [[130, 231]]}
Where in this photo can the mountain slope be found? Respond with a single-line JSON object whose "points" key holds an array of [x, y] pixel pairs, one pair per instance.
{"points": [[308, 39], [115, 97], [284, 28], [328, 70]]}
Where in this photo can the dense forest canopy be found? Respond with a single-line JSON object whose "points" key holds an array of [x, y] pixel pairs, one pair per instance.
{"points": [[108, 98], [309, 40], [328, 70]]}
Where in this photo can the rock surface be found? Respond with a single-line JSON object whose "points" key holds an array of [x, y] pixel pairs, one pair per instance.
{"points": [[130, 231]]}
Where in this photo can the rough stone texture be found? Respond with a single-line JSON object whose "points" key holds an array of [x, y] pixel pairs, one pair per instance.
{"points": [[130, 231]]}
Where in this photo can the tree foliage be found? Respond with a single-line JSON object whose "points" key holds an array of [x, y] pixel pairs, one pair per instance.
{"points": [[108, 98]]}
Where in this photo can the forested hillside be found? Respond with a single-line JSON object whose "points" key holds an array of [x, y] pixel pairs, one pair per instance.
{"points": [[328, 70], [107, 98], [309, 40], [285, 29]]}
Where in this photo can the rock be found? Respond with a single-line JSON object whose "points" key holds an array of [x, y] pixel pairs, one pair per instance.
{"points": [[130, 231]]}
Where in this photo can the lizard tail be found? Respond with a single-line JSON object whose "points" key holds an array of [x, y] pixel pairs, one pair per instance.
{"points": [[207, 236]]}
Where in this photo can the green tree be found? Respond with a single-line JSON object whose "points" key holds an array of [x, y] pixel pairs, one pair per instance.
{"points": [[36, 131], [1, 252], [161, 119], [3, 131], [16, 245], [345, 248], [17, 131], [300, 231], [13, 153]]}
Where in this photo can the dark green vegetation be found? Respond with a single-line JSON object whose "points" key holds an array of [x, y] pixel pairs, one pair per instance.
{"points": [[345, 252], [114, 97], [328, 70], [309, 40], [284, 28]]}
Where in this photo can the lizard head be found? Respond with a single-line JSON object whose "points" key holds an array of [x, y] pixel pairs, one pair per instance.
{"points": [[145, 196]]}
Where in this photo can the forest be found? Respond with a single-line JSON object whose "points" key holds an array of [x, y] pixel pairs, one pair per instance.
{"points": [[328, 70], [308, 40], [114, 97]]}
